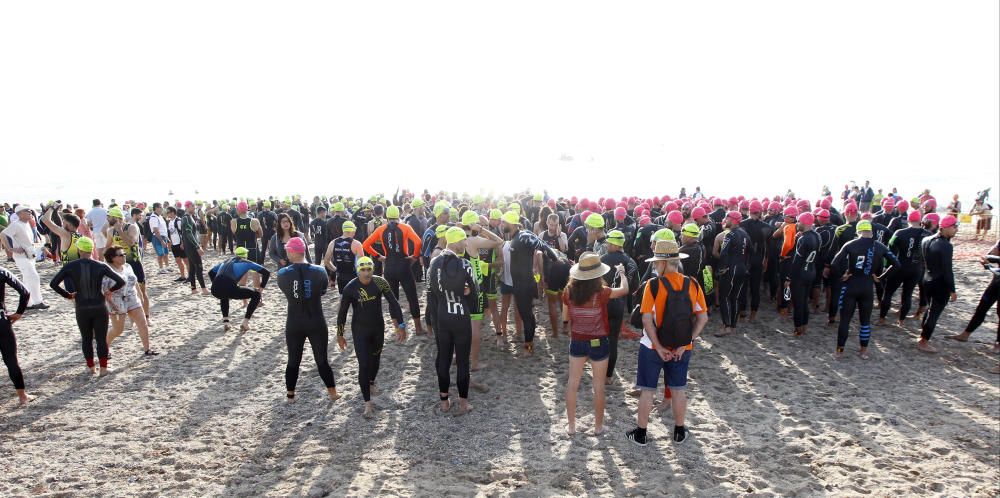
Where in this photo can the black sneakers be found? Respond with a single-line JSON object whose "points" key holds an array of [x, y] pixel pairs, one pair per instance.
{"points": [[680, 434], [637, 436]]}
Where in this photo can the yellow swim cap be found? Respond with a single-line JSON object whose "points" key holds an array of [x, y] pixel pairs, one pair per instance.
{"points": [[454, 234], [470, 218], [691, 230], [85, 244], [364, 262], [242, 252], [440, 230], [595, 221], [496, 214], [392, 213], [511, 217], [616, 237], [349, 226], [664, 234]]}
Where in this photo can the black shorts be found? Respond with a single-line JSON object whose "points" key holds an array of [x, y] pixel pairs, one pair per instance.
{"points": [[140, 274], [178, 251]]}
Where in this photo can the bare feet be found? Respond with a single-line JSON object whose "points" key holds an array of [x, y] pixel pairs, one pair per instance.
{"points": [[479, 387], [205, 292], [753, 316], [332, 394], [882, 322], [226, 326], [926, 347], [725, 332], [571, 428], [529, 347], [963, 337], [374, 390], [369, 411], [445, 406], [245, 326], [476, 368], [995, 369], [92, 370], [24, 399], [290, 397], [838, 355], [104, 372], [463, 408], [863, 354], [597, 431]]}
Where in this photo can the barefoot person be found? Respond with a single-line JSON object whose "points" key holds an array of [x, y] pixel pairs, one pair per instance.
{"points": [[673, 315], [364, 294], [452, 294], [859, 265], [226, 278], [88, 297], [8, 343], [477, 243], [939, 280], [988, 299], [125, 302], [304, 285], [586, 299]]}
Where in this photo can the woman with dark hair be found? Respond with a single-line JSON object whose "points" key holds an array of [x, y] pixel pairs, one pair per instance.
{"points": [[125, 301], [586, 297], [284, 231]]}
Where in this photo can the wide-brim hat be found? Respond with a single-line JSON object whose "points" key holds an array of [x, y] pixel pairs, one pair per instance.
{"points": [[589, 267], [666, 250]]}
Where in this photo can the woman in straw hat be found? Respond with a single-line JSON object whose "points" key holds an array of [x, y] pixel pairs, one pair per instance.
{"points": [[586, 297]]}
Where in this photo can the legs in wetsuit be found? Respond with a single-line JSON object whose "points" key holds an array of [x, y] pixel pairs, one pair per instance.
{"points": [[8, 349], [398, 272], [195, 269], [937, 299], [454, 338], [855, 296], [907, 278], [93, 323], [730, 286], [368, 349], [225, 289], [295, 339]]}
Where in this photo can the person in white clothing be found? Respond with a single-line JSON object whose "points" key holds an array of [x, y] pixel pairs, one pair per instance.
{"points": [[22, 249], [97, 217]]}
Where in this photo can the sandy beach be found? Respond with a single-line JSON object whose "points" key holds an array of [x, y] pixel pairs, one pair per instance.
{"points": [[770, 414]]}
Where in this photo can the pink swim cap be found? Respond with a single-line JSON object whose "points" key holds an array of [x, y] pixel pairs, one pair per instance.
{"points": [[697, 212], [755, 206], [735, 216], [948, 221], [932, 217], [610, 204], [774, 206], [296, 245], [791, 211], [716, 201], [675, 217], [744, 204], [644, 220], [903, 206], [824, 214], [851, 208], [914, 216], [188, 204], [825, 203], [619, 213], [241, 206], [866, 215], [807, 219], [670, 206]]}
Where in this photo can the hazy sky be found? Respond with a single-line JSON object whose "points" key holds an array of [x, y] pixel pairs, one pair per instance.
{"points": [[135, 98]]}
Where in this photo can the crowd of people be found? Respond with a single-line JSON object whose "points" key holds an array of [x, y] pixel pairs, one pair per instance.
{"points": [[652, 269]]}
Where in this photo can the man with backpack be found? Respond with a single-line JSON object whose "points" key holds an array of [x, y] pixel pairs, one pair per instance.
{"points": [[673, 315]]}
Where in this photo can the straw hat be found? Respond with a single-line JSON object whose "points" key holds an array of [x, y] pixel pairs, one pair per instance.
{"points": [[589, 267], [666, 250]]}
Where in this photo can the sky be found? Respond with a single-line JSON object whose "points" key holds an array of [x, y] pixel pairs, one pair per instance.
{"points": [[135, 99]]}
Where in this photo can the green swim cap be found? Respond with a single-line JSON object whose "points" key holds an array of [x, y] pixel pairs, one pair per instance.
{"points": [[537, 197], [664, 234], [453, 213], [440, 230], [439, 207], [115, 212], [454, 234], [418, 202], [365, 262], [616, 237], [595, 221], [267, 204], [864, 225], [495, 214], [85, 244], [691, 230], [349, 226], [242, 252], [470, 217], [338, 206], [515, 207], [511, 217], [392, 213], [477, 199]]}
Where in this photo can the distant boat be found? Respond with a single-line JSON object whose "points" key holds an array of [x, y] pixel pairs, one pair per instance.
{"points": [[566, 157]]}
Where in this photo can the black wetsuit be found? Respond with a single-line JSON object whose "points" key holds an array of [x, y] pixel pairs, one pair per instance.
{"points": [[447, 279], [939, 280], [367, 325], [861, 259], [906, 245], [642, 248], [802, 274], [246, 237], [522, 253], [396, 267], [88, 277], [268, 221], [734, 266], [8, 343], [343, 260], [841, 236], [773, 274], [225, 278], [759, 232], [225, 232], [618, 306], [189, 239], [989, 298], [304, 285], [317, 228]]}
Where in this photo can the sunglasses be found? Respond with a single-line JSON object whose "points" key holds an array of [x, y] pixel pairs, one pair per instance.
{"points": [[365, 268], [119, 255]]}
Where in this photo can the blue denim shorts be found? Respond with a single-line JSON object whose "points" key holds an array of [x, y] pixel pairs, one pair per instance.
{"points": [[647, 375], [587, 349]]}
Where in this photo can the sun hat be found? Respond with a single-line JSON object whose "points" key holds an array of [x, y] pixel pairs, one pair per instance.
{"points": [[666, 250], [589, 267]]}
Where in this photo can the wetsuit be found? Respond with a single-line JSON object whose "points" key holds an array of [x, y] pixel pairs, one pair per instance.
{"points": [[417, 224], [133, 254], [317, 228], [576, 243], [906, 245], [189, 239], [447, 279], [88, 277], [989, 298], [707, 239], [758, 232], [842, 235], [618, 306], [826, 233], [862, 259], [522, 253], [8, 342], [224, 221], [802, 274], [939, 280], [367, 325], [881, 234], [304, 285], [401, 246], [246, 237], [734, 266], [642, 248], [772, 274], [343, 260], [268, 226], [225, 279]]}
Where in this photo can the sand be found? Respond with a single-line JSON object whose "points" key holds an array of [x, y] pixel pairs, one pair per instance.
{"points": [[770, 414]]}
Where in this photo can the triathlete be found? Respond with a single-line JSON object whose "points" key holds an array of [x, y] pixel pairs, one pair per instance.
{"points": [[906, 245], [802, 270], [939, 280], [524, 280], [341, 255], [8, 342], [226, 278]]}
